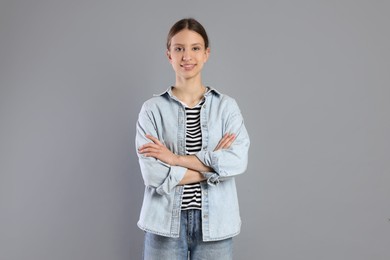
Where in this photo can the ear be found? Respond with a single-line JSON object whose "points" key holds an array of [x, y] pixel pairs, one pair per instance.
{"points": [[168, 53], [207, 54]]}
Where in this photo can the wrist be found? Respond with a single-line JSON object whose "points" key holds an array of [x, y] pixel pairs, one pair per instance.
{"points": [[176, 160]]}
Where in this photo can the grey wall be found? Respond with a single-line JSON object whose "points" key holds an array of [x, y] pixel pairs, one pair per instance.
{"points": [[312, 79]]}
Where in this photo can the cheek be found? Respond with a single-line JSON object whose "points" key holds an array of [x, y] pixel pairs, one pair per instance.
{"points": [[175, 59], [204, 57]]}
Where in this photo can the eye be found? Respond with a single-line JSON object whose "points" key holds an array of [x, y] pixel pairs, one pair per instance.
{"points": [[197, 48], [178, 49]]}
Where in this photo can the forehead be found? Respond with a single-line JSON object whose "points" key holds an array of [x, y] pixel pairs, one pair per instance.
{"points": [[186, 36]]}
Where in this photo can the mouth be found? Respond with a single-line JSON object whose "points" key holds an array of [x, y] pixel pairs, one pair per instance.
{"points": [[188, 66]]}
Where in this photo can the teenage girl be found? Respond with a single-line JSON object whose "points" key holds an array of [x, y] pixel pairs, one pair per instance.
{"points": [[191, 143]]}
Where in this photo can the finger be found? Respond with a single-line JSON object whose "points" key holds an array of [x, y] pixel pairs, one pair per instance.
{"points": [[150, 154], [148, 148], [229, 141], [148, 145], [153, 139], [220, 142], [226, 142]]}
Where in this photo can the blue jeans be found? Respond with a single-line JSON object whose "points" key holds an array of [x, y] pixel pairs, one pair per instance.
{"points": [[189, 245]]}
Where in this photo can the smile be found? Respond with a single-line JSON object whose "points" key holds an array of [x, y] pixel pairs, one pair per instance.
{"points": [[188, 66]]}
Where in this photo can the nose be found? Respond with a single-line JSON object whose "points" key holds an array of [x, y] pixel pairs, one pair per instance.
{"points": [[186, 55]]}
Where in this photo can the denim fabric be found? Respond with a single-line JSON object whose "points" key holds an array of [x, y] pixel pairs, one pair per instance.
{"points": [[189, 245], [163, 116]]}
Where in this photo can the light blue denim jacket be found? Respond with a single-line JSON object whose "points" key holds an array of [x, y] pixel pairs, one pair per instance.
{"points": [[163, 116]]}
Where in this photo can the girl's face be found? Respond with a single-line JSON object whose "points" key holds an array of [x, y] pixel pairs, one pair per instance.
{"points": [[187, 54]]}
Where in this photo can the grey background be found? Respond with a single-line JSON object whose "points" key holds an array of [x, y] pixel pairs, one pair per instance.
{"points": [[311, 77]]}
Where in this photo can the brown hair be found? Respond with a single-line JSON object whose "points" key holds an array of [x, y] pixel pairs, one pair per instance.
{"points": [[190, 24]]}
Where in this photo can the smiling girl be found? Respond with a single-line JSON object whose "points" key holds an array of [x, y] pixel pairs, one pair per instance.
{"points": [[191, 142]]}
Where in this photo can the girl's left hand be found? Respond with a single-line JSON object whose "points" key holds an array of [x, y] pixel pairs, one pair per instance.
{"points": [[159, 151], [225, 142]]}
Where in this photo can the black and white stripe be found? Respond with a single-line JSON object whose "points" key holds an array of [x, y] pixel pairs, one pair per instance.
{"points": [[193, 133], [192, 195]]}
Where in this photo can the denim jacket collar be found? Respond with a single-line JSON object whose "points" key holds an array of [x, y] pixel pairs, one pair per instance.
{"points": [[210, 91]]}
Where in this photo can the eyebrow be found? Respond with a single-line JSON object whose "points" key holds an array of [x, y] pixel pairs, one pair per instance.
{"points": [[180, 44]]}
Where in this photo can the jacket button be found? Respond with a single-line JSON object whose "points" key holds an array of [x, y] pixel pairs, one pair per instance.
{"points": [[205, 216]]}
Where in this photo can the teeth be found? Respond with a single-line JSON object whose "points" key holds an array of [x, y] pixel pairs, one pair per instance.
{"points": [[188, 66]]}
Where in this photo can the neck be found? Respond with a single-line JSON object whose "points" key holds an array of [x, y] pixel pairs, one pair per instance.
{"points": [[189, 91]]}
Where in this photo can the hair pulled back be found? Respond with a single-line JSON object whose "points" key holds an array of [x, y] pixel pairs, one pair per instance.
{"points": [[190, 24]]}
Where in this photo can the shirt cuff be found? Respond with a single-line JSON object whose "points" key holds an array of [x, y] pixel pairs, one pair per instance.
{"points": [[212, 178], [209, 158], [175, 175]]}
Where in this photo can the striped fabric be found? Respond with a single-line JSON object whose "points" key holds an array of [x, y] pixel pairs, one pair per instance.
{"points": [[192, 192]]}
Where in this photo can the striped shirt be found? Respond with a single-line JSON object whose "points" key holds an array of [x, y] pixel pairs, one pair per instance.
{"points": [[192, 192]]}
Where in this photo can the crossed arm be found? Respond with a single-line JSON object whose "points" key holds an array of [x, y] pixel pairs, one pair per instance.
{"points": [[194, 166]]}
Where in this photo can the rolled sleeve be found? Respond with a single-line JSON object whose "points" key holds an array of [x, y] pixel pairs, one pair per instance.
{"points": [[232, 161], [175, 175], [160, 175], [212, 178], [226, 163], [155, 173], [209, 158]]}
